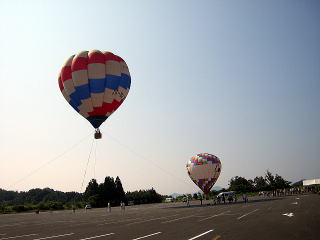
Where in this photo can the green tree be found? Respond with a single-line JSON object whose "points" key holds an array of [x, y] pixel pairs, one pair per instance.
{"points": [[270, 181], [281, 183], [109, 190], [144, 196], [120, 194], [92, 190], [240, 184], [260, 184]]}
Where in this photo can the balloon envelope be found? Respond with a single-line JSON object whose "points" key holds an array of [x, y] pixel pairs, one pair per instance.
{"points": [[95, 84], [204, 170]]}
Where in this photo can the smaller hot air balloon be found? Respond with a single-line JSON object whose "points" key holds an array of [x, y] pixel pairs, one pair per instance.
{"points": [[204, 170]]}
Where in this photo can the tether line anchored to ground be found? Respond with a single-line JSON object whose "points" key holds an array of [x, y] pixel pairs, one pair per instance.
{"points": [[85, 172], [49, 162], [145, 159]]}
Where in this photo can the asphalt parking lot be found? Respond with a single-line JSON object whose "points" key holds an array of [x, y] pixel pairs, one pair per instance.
{"points": [[290, 217]]}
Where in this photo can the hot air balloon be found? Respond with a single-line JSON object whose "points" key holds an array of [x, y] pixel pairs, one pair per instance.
{"points": [[95, 84], [204, 170]]}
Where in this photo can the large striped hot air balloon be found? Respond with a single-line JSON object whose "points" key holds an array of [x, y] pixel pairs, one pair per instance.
{"points": [[95, 84], [204, 170]]}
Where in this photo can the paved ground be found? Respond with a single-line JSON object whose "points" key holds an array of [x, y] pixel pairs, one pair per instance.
{"points": [[262, 218]]}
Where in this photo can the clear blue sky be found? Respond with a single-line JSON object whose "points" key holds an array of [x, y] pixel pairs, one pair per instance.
{"points": [[238, 79]]}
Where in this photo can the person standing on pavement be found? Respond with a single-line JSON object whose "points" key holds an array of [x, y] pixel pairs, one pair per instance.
{"points": [[201, 199], [244, 197]]}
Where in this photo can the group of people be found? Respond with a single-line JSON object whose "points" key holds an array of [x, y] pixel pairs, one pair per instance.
{"points": [[108, 208], [220, 199], [122, 206], [230, 198]]}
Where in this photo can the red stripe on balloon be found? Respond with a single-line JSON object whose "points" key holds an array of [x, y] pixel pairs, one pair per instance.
{"points": [[111, 57], [66, 73], [79, 63], [105, 108], [60, 83], [96, 57]]}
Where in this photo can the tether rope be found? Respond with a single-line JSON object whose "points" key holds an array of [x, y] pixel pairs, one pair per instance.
{"points": [[49, 162], [95, 160], [145, 159], [85, 172]]}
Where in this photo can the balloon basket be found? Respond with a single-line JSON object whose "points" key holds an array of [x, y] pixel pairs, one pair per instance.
{"points": [[97, 134]]}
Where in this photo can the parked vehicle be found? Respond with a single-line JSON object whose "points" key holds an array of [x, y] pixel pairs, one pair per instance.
{"points": [[88, 206], [226, 195]]}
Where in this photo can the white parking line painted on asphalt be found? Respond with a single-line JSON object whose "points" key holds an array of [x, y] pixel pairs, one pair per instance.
{"points": [[230, 214], [177, 219], [56, 236], [220, 214], [288, 214], [200, 235], [149, 220], [98, 236], [10, 225], [26, 235], [147, 236], [126, 220], [247, 214]]}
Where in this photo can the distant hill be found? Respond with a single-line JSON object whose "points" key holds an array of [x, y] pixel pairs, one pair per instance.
{"points": [[37, 195], [175, 195], [217, 188]]}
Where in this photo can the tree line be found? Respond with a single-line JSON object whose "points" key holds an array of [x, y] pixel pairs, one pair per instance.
{"points": [[95, 194], [35, 196], [35, 199], [269, 182], [111, 191]]}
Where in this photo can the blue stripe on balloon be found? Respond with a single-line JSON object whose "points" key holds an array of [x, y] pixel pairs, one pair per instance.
{"points": [[97, 85], [112, 82], [125, 81], [75, 107], [74, 98], [83, 92]]}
